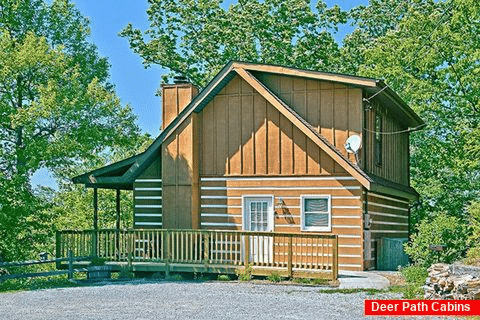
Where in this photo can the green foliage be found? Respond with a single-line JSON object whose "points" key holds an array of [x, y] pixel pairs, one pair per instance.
{"points": [[439, 230], [24, 222], [125, 273], [36, 283], [57, 111], [196, 39], [473, 256], [431, 59], [315, 281], [98, 261], [415, 276], [274, 277], [223, 277], [244, 274], [415, 273], [473, 210]]}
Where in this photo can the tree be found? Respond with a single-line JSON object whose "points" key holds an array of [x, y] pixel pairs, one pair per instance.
{"points": [[432, 59], [197, 38], [372, 22], [441, 229], [57, 109]]}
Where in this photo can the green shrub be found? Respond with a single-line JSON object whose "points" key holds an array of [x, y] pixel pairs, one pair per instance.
{"points": [[223, 277], [415, 276], [413, 291], [473, 256], [274, 277], [125, 273], [439, 230], [97, 261], [244, 274]]}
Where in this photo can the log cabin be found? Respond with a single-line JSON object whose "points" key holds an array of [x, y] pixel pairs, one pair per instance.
{"points": [[262, 148]]}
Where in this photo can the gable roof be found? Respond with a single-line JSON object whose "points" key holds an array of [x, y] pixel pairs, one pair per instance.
{"points": [[136, 165]]}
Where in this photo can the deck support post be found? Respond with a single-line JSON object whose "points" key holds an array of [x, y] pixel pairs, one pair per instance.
{"points": [[290, 257], [95, 222], [118, 209], [58, 249], [247, 250], [117, 238], [206, 252], [129, 240], [335, 258], [167, 252], [95, 208], [70, 264]]}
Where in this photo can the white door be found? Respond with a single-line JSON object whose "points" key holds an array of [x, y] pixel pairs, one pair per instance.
{"points": [[258, 216]]}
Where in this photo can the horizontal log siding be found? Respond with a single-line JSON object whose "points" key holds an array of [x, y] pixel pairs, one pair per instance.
{"points": [[147, 198], [147, 203], [243, 134], [221, 207], [389, 219]]}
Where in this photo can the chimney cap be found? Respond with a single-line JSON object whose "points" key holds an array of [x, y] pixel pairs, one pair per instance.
{"points": [[180, 79]]}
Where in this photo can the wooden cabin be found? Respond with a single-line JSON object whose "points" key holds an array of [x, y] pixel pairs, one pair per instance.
{"points": [[262, 148]]}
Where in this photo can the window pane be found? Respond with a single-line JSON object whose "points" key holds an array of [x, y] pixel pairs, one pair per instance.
{"points": [[316, 219], [316, 205]]}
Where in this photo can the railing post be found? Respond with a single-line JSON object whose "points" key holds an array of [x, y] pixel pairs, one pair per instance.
{"points": [[290, 257], [247, 250], [167, 252], [70, 264], [206, 253], [58, 249], [94, 243], [117, 244], [335, 258]]}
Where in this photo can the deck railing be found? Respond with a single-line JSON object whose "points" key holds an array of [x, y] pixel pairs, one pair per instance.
{"points": [[289, 254]]}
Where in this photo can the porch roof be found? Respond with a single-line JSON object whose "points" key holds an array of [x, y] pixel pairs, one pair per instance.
{"points": [[111, 176]]}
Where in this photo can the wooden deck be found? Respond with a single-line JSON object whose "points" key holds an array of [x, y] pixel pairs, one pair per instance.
{"points": [[287, 254]]}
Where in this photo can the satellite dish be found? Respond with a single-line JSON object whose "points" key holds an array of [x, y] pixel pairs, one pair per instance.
{"points": [[353, 144]]}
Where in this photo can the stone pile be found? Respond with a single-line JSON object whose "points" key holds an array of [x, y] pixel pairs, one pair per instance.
{"points": [[455, 281]]}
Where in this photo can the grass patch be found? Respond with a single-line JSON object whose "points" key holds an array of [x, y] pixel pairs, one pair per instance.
{"points": [[349, 291], [223, 277], [12, 285], [274, 277], [315, 281], [244, 274]]}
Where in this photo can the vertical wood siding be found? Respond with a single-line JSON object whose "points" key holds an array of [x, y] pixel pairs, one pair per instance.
{"points": [[395, 147], [243, 134], [180, 176], [334, 109], [175, 97]]}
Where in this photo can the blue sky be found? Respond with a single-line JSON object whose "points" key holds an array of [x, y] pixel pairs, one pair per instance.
{"points": [[135, 84]]}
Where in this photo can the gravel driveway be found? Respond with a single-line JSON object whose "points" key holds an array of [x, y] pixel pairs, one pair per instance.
{"points": [[184, 300]]}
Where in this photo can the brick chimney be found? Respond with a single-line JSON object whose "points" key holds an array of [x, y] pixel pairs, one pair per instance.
{"points": [[175, 97]]}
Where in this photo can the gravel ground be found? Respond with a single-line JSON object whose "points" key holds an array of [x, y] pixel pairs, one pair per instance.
{"points": [[184, 300]]}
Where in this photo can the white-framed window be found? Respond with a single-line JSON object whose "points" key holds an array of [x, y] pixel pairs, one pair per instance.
{"points": [[316, 213]]}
